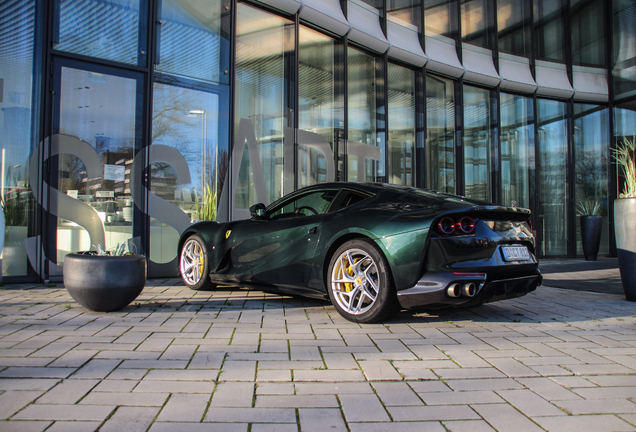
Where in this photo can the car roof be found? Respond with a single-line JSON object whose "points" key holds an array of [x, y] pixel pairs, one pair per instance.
{"points": [[376, 188], [398, 194], [391, 193]]}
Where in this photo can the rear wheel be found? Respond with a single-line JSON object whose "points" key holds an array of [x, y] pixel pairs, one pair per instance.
{"points": [[360, 283], [193, 264]]}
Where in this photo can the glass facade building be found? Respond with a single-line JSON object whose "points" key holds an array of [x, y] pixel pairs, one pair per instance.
{"points": [[125, 121]]}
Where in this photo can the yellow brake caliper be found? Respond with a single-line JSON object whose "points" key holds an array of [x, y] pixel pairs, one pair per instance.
{"points": [[349, 285], [200, 266]]}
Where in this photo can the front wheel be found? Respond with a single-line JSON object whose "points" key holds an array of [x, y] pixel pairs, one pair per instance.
{"points": [[193, 264], [360, 283]]}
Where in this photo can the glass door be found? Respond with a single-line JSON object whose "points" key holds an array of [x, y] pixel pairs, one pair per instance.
{"points": [[188, 163], [94, 197]]}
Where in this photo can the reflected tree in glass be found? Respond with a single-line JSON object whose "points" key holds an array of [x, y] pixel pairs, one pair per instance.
{"points": [[191, 122], [188, 121]]}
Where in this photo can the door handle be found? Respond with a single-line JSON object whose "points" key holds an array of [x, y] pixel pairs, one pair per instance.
{"points": [[313, 230]]}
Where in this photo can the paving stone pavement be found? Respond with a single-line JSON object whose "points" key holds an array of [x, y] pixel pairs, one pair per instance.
{"points": [[239, 360]]}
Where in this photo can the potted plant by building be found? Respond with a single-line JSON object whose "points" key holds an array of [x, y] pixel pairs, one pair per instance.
{"points": [[591, 213], [625, 217], [104, 281], [14, 209]]}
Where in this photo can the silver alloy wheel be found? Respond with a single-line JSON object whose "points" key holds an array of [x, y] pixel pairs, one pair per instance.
{"points": [[192, 262], [355, 281]]}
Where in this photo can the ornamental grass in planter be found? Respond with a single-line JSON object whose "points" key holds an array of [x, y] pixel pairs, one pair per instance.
{"points": [[104, 281], [625, 217], [591, 213]]}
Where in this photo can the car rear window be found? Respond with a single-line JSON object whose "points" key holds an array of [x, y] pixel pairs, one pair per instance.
{"points": [[347, 198]]}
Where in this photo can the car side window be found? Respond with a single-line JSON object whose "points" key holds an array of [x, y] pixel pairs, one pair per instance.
{"points": [[313, 203], [347, 198]]}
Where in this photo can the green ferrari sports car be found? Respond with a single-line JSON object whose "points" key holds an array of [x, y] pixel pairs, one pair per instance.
{"points": [[371, 248]]}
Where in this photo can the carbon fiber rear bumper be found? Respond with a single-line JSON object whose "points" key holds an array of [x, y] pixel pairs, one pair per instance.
{"points": [[432, 289]]}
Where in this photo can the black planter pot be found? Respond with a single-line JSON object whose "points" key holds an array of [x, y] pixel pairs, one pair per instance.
{"points": [[104, 283], [591, 227], [625, 230]]}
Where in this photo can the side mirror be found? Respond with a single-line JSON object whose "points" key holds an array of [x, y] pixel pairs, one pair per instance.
{"points": [[258, 212]]}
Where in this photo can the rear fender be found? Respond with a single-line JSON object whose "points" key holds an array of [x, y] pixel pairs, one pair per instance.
{"points": [[406, 255], [325, 253]]}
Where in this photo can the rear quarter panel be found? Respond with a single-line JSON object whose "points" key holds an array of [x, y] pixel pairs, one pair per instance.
{"points": [[401, 236]]}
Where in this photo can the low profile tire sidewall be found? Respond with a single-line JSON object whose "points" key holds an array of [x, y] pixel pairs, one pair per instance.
{"points": [[385, 304], [204, 283]]}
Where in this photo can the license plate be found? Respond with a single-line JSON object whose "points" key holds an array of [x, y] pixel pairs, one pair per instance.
{"points": [[516, 253]]}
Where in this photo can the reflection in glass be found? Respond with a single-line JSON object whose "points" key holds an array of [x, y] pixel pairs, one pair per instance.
{"points": [[362, 112], [549, 29], [16, 81], [406, 10], [474, 15], [262, 41], [439, 17], [377, 4], [106, 30], [624, 69], [477, 166], [553, 191], [440, 133], [192, 122], [588, 32], [192, 41], [625, 120], [517, 149], [591, 165], [90, 104], [320, 111], [513, 26], [402, 125]]}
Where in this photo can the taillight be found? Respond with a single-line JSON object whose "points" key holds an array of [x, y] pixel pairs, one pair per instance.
{"points": [[530, 224], [466, 225], [446, 226], [450, 226]]}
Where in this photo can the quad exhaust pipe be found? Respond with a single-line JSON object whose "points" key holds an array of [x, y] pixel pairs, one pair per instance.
{"points": [[469, 289], [457, 290], [454, 290]]}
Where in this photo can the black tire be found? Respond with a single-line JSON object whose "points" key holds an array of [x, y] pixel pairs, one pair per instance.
{"points": [[363, 292], [194, 266]]}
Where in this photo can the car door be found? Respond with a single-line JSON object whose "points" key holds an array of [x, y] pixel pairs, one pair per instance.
{"points": [[280, 250]]}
